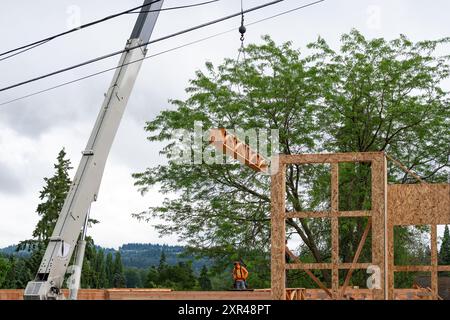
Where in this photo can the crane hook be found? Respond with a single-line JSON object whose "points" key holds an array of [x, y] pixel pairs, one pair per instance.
{"points": [[242, 28]]}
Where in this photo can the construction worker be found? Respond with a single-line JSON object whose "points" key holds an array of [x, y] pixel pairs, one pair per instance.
{"points": [[240, 275]]}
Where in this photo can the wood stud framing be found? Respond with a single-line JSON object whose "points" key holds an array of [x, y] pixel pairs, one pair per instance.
{"points": [[335, 229], [406, 204], [229, 144], [377, 214]]}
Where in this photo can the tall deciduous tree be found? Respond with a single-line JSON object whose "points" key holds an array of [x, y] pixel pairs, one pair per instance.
{"points": [[371, 95]]}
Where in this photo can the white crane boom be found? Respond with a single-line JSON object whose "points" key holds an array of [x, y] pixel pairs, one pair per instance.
{"points": [[84, 189]]}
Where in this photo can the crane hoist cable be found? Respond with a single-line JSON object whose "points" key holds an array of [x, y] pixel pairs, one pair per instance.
{"points": [[242, 30], [241, 51]]}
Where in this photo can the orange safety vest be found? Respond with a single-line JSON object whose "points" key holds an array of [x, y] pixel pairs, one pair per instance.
{"points": [[240, 273]]}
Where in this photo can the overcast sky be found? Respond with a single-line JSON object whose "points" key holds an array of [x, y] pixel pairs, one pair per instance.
{"points": [[32, 131]]}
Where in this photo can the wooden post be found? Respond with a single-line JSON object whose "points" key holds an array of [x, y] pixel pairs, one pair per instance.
{"points": [[434, 262], [390, 258], [379, 220], [278, 236], [335, 229]]}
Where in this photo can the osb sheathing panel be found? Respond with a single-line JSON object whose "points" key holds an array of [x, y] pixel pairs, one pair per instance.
{"points": [[418, 204]]}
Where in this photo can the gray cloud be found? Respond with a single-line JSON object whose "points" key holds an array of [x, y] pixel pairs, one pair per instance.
{"points": [[10, 183]]}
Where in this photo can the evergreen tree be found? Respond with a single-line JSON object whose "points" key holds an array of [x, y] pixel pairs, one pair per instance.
{"points": [[18, 274], [53, 196], [4, 269], [204, 281], [109, 270], [444, 252], [88, 274], [119, 276], [162, 262], [101, 280]]}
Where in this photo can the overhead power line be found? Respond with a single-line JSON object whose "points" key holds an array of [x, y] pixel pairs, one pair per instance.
{"points": [[157, 54], [288, 11], [38, 43], [139, 46], [178, 7]]}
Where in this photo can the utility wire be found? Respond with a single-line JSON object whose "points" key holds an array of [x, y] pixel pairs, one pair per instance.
{"points": [[177, 7], [138, 46], [76, 29], [288, 11], [25, 50], [129, 11], [155, 55]]}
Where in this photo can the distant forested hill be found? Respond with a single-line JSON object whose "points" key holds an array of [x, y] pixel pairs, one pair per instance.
{"points": [[140, 255], [11, 250], [143, 255]]}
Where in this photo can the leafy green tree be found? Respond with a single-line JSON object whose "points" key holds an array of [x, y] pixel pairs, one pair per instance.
{"points": [[371, 95], [204, 280], [178, 277], [133, 278], [152, 278]]}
